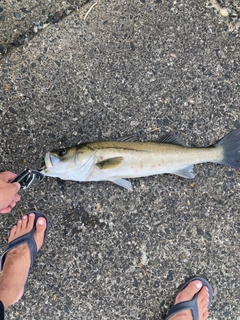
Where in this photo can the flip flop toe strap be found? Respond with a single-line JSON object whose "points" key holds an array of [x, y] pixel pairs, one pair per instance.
{"points": [[186, 305]]}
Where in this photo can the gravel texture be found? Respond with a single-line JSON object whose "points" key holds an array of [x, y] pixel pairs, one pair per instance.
{"points": [[20, 20], [131, 66]]}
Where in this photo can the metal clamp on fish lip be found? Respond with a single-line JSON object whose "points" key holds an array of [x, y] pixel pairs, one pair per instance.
{"points": [[27, 177]]}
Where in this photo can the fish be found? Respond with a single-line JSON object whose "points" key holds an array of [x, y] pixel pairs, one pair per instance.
{"points": [[125, 158]]}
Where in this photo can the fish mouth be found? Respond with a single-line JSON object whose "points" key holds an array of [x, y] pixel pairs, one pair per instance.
{"points": [[48, 161]]}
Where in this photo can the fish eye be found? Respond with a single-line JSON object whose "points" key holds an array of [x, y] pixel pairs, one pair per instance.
{"points": [[62, 152]]}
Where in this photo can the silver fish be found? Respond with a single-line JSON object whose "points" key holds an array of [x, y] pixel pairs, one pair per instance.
{"points": [[115, 160]]}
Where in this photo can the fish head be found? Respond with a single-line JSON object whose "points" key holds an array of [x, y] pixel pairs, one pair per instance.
{"points": [[57, 162], [72, 163]]}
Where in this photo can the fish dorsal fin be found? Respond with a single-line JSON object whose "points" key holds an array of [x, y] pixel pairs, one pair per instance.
{"points": [[172, 139], [130, 138], [109, 163]]}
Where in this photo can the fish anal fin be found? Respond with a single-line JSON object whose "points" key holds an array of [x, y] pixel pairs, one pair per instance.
{"points": [[109, 163], [123, 183], [130, 138], [186, 172], [172, 139]]}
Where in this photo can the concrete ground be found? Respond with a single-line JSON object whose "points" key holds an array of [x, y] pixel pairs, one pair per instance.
{"points": [[126, 66]]}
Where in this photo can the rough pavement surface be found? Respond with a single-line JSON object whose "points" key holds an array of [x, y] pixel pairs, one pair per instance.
{"points": [[20, 20], [131, 66]]}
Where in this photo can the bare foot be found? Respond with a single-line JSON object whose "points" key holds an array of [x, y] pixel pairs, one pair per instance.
{"points": [[16, 266], [187, 294]]}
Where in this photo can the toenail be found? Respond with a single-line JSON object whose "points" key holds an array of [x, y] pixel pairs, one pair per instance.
{"points": [[40, 222], [24, 217], [31, 214], [198, 284]]}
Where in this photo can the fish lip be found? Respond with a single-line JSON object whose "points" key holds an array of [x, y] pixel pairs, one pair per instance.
{"points": [[48, 161]]}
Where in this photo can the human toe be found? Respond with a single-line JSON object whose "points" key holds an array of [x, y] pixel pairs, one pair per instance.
{"points": [[12, 231], [24, 222], [203, 300], [203, 293], [187, 293], [30, 222], [22, 227], [19, 226], [203, 296], [41, 225]]}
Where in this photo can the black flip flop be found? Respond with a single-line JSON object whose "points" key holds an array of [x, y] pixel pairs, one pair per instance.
{"points": [[191, 304], [27, 238]]}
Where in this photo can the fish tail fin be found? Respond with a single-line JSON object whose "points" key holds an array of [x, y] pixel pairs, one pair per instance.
{"points": [[231, 149]]}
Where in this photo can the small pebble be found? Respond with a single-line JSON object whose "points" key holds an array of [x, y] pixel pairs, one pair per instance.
{"points": [[224, 12], [17, 15]]}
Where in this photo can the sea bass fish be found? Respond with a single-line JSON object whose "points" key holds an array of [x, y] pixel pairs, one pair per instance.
{"points": [[127, 158]]}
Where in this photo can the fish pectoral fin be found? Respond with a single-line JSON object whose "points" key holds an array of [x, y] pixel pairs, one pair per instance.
{"points": [[123, 183], [186, 172], [109, 163]]}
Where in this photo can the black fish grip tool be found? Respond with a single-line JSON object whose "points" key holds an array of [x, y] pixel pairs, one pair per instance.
{"points": [[27, 177]]}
